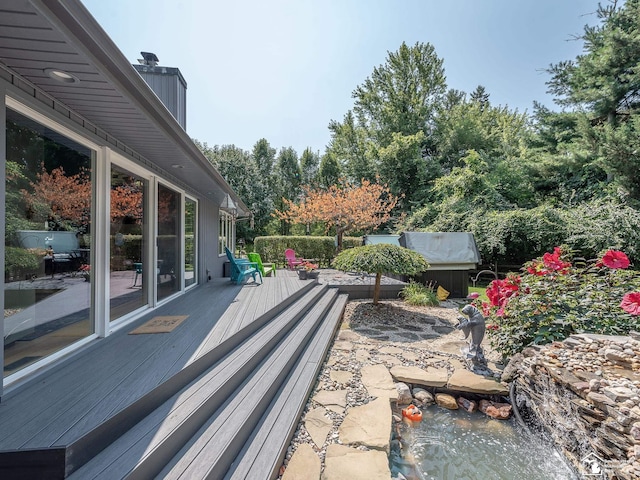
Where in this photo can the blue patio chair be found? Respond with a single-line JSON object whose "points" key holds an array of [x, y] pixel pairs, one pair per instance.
{"points": [[242, 268]]}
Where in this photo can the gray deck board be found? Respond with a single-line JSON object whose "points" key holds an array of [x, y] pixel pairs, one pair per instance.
{"points": [[262, 456], [198, 400], [40, 413], [214, 448]]}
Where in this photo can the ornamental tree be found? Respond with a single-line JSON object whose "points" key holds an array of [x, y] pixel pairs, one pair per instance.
{"points": [[59, 198], [381, 258], [346, 207]]}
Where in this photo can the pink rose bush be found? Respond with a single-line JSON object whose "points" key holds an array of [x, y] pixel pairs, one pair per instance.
{"points": [[555, 297]]}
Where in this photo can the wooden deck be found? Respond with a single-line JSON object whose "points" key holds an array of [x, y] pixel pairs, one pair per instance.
{"points": [[133, 405]]}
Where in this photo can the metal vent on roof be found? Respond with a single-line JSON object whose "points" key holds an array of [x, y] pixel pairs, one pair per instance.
{"points": [[148, 58]]}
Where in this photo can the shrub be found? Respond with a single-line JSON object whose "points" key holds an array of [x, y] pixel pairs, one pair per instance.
{"points": [[420, 295], [323, 249], [20, 261], [555, 298]]}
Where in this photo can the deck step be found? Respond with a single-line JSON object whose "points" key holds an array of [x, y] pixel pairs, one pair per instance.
{"points": [[211, 452], [263, 454], [144, 449]]}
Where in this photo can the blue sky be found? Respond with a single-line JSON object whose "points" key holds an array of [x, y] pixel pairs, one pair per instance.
{"points": [[283, 69]]}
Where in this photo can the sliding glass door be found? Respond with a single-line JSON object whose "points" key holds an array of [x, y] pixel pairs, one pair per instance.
{"points": [[47, 261], [169, 269], [190, 244], [128, 286]]}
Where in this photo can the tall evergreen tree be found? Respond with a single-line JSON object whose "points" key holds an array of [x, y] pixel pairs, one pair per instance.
{"points": [[289, 181], [605, 82], [309, 165]]}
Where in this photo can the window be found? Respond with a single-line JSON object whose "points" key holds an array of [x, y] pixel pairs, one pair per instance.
{"points": [[226, 232]]}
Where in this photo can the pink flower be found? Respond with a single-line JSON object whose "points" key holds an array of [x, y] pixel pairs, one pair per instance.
{"points": [[631, 303], [615, 259], [473, 295]]}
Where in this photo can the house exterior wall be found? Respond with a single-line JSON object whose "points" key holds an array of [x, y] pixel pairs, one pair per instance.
{"points": [[210, 264]]}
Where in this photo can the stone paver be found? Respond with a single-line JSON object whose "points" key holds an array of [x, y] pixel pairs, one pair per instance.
{"points": [[378, 382], [431, 377], [368, 425], [345, 463], [466, 381], [341, 376], [318, 425], [304, 465], [335, 400]]}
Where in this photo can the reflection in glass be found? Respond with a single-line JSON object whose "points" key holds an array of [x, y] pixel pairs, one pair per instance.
{"points": [[189, 242], [128, 289], [168, 243], [47, 287]]}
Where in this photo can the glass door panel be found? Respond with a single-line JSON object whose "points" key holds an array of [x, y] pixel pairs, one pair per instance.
{"points": [[47, 287], [189, 242], [168, 242], [127, 243]]}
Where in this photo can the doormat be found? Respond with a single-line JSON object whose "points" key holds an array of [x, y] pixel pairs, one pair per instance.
{"points": [[163, 324]]}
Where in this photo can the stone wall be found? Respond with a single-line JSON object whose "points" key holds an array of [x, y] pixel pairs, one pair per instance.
{"points": [[585, 392]]}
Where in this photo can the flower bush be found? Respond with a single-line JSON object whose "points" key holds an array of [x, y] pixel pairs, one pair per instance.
{"points": [[555, 297], [308, 266]]}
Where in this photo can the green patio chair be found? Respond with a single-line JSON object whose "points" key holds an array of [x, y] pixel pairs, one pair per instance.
{"points": [[265, 268]]}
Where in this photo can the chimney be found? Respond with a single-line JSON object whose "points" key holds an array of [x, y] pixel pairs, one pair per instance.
{"points": [[167, 83]]}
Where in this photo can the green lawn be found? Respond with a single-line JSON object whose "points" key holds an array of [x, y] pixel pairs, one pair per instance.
{"points": [[481, 291]]}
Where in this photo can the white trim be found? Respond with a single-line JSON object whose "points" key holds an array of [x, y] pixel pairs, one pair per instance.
{"points": [[48, 122], [99, 244]]}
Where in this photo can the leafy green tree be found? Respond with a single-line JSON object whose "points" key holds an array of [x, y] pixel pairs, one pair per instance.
{"points": [[402, 95], [393, 116], [348, 145], [380, 259]]}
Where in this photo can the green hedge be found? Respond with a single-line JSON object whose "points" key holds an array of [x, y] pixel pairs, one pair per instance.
{"points": [[323, 249]]}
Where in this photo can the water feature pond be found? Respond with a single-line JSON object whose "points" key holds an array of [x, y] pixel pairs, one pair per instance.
{"points": [[458, 445]]}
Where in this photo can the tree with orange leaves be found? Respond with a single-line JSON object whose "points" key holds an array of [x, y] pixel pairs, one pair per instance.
{"points": [[60, 198], [346, 206]]}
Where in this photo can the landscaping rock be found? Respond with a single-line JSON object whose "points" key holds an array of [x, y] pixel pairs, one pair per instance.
{"points": [[378, 382], [466, 381], [404, 394], [345, 463], [431, 377], [304, 465], [423, 397], [334, 400], [318, 425], [446, 401], [368, 425]]}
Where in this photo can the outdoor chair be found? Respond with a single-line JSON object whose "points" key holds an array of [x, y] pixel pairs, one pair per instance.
{"points": [[292, 260], [242, 268], [265, 268]]}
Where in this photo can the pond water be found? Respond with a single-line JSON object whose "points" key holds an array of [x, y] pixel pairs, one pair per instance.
{"points": [[458, 445]]}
